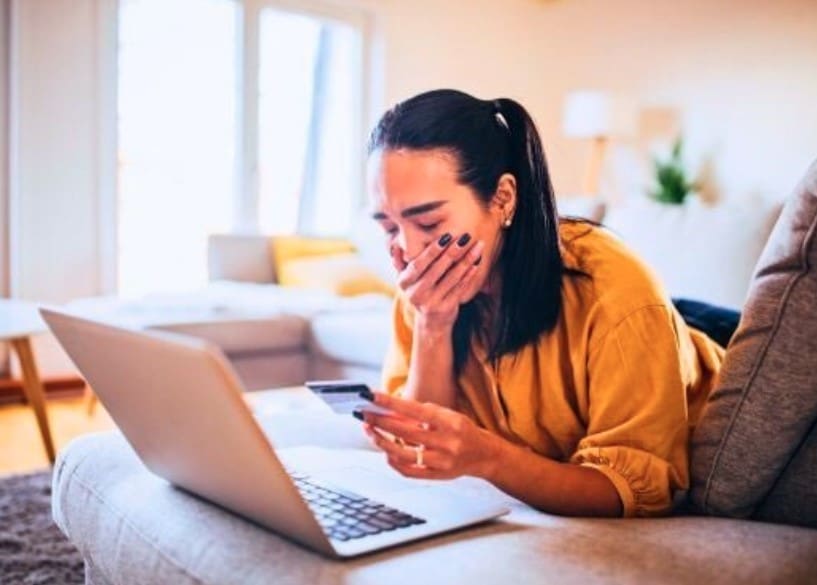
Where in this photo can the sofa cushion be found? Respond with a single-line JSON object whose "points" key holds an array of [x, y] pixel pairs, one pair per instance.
{"points": [[794, 494], [237, 317], [242, 258], [355, 337], [759, 416], [288, 248], [342, 274], [700, 252], [262, 371], [246, 336]]}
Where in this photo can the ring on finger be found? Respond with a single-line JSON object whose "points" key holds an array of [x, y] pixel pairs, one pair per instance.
{"points": [[419, 451]]}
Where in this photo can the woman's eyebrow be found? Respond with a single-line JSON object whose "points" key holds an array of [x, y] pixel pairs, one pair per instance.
{"points": [[416, 210]]}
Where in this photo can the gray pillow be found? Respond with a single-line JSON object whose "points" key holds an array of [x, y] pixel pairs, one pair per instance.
{"points": [[240, 257], [756, 435], [793, 498]]}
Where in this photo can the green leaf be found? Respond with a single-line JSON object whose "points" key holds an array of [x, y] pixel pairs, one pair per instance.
{"points": [[672, 185], [676, 149]]}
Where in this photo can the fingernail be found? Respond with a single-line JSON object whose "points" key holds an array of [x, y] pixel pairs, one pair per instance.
{"points": [[443, 241], [366, 394], [358, 415], [464, 239], [478, 261]]}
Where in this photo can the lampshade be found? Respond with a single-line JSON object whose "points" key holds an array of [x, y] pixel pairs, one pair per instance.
{"points": [[587, 114]]}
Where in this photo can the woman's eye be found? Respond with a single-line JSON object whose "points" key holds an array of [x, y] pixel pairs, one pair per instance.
{"points": [[429, 227]]}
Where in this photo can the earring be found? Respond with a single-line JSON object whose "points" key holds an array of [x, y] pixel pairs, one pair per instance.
{"points": [[507, 222]]}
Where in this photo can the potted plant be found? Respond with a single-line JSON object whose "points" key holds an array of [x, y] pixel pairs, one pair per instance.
{"points": [[671, 183]]}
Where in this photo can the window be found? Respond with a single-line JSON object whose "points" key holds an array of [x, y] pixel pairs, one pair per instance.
{"points": [[176, 134], [308, 111], [183, 169]]}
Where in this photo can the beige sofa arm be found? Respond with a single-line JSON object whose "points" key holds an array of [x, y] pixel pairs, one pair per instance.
{"points": [[243, 258]]}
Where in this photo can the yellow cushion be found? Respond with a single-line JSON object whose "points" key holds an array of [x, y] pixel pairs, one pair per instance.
{"points": [[342, 274], [286, 248]]}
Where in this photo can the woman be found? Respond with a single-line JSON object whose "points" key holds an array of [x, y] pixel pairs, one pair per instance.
{"points": [[534, 352]]}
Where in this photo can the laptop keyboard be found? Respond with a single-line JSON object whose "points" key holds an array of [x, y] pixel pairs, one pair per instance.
{"points": [[345, 516]]}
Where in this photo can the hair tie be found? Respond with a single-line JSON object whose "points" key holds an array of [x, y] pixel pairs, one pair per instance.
{"points": [[499, 117]]}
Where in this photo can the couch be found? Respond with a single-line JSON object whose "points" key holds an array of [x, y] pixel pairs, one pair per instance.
{"points": [[278, 335], [132, 527], [274, 336]]}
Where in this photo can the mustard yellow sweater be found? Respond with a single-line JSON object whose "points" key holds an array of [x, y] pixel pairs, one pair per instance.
{"points": [[617, 385]]}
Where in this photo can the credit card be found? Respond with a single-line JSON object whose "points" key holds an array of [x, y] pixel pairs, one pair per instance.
{"points": [[343, 396]]}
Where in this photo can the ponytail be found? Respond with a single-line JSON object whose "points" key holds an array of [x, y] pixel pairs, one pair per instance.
{"points": [[532, 306]]}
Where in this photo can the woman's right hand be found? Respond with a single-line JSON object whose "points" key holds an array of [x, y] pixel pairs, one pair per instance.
{"points": [[436, 280]]}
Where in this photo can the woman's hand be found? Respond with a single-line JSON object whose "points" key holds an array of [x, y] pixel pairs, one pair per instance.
{"points": [[428, 441], [435, 281]]}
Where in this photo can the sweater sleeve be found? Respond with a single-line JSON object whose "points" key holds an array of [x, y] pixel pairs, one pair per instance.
{"points": [[398, 356], [637, 427]]}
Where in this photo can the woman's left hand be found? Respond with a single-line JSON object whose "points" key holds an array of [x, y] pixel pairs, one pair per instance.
{"points": [[429, 441]]}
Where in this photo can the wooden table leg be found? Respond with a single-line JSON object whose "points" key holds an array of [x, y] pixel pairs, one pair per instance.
{"points": [[33, 388], [90, 400]]}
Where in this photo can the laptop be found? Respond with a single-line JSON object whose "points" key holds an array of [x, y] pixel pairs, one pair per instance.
{"points": [[180, 405]]}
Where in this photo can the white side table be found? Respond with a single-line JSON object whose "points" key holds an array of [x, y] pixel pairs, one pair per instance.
{"points": [[19, 321]]}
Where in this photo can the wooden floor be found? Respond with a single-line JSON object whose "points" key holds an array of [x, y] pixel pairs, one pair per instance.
{"points": [[21, 448]]}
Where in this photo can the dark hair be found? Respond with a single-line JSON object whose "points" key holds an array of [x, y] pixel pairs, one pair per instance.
{"points": [[489, 138]]}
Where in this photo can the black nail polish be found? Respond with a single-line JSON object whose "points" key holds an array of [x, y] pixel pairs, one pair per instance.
{"points": [[464, 239], [443, 241], [358, 415], [366, 394]]}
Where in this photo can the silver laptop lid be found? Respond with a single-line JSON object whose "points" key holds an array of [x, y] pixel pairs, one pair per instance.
{"points": [[180, 405]]}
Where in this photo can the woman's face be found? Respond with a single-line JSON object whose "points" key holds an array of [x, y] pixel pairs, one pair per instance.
{"points": [[416, 198]]}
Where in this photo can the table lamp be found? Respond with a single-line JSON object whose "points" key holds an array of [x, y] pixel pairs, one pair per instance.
{"points": [[587, 114]]}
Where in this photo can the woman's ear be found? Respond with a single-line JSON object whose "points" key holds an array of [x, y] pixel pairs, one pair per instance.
{"points": [[504, 199]]}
